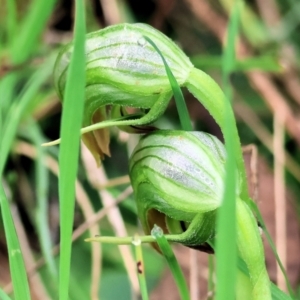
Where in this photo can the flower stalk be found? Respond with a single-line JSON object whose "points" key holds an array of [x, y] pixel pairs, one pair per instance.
{"points": [[177, 176], [178, 181]]}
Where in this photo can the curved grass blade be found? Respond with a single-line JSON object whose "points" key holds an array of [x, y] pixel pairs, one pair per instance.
{"points": [[69, 149], [16, 111], [34, 134], [16, 262], [183, 113], [167, 251]]}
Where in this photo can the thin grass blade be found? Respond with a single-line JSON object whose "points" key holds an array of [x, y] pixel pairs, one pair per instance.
{"points": [[211, 271], [226, 250], [41, 213], [3, 295], [167, 251], [7, 92], [30, 29], [17, 110], [11, 20], [69, 149], [278, 294], [272, 245], [265, 63], [183, 113], [16, 262]]}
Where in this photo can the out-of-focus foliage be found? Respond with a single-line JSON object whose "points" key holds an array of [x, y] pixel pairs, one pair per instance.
{"points": [[266, 83]]}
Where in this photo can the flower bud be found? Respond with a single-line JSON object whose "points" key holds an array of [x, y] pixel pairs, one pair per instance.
{"points": [[178, 181], [119, 55], [122, 68]]}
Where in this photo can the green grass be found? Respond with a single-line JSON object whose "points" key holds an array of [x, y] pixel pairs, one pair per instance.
{"points": [[226, 249], [140, 265], [29, 82], [69, 148], [11, 116], [181, 106], [16, 262], [168, 253]]}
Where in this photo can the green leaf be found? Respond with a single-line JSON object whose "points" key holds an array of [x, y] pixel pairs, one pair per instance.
{"points": [[11, 20], [3, 295], [226, 250], [235, 211], [265, 63], [69, 150], [18, 109], [140, 267], [34, 134], [182, 110], [272, 245], [16, 262], [29, 29]]}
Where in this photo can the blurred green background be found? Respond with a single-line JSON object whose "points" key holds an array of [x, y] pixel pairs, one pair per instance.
{"points": [[266, 85]]}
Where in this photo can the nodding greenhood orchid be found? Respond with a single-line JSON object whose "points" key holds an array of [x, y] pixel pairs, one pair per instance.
{"points": [[177, 176], [124, 70], [178, 181]]}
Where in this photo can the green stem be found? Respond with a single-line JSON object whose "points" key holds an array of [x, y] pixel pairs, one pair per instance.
{"points": [[128, 240], [211, 268], [168, 253], [140, 266], [260, 219], [154, 113], [120, 240], [243, 288], [207, 91], [251, 251]]}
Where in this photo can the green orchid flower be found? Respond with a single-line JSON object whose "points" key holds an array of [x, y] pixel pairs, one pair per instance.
{"points": [[124, 70], [178, 182]]}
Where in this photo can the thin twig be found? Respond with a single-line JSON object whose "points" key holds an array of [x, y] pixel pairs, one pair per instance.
{"points": [[96, 176], [194, 276], [81, 196], [279, 196], [38, 288], [111, 12], [269, 12], [253, 168], [262, 133]]}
